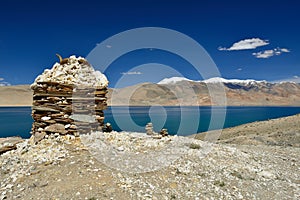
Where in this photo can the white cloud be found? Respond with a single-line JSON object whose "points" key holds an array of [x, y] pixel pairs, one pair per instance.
{"points": [[239, 69], [4, 83], [222, 48], [269, 53], [264, 54], [285, 50], [252, 43], [131, 73], [107, 46]]}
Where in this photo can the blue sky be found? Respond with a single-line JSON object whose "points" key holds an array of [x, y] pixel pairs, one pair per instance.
{"points": [[246, 39]]}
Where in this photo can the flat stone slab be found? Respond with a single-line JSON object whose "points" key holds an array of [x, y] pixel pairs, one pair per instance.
{"points": [[9, 143]]}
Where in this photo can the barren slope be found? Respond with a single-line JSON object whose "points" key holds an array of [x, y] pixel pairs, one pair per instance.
{"points": [[19, 95], [276, 132]]}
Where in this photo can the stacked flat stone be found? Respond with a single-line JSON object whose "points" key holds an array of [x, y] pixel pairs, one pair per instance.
{"points": [[68, 99], [149, 129]]}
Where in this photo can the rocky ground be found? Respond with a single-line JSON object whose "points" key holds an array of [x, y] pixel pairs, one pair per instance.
{"points": [[276, 132], [136, 166]]}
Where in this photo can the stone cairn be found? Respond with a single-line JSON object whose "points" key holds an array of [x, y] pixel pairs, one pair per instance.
{"points": [[149, 131], [68, 99]]}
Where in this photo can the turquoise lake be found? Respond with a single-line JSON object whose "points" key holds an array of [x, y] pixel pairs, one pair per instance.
{"points": [[16, 121]]}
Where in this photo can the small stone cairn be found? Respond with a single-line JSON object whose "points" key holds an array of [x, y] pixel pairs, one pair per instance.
{"points": [[68, 99], [149, 131]]}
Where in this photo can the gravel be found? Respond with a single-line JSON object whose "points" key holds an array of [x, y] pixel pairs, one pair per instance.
{"points": [[137, 166]]}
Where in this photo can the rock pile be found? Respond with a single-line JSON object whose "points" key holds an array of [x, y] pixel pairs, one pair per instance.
{"points": [[149, 131], [68, 99], [164, 132]]}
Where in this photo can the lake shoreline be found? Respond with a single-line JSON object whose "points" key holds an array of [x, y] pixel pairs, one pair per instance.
{"points": [[270, 126], [179, 120]]}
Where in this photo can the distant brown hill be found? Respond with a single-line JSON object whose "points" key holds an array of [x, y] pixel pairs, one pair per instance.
{"points": [[19, 95], [182, 92]]}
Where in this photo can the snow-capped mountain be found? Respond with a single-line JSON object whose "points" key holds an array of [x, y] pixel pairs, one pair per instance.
{"points": [[234, 81], [176, 90], [174, 80]]}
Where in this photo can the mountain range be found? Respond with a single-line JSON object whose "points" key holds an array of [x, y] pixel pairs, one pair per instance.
{"points": [[182, 91]]}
